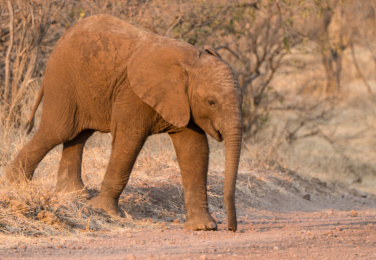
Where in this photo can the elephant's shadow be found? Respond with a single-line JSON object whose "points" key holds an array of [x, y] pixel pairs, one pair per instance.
{"points": [[164, 202]]}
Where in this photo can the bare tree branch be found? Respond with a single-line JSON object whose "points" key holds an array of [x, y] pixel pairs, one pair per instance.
{"points": [[9, 51], [359, 71]]}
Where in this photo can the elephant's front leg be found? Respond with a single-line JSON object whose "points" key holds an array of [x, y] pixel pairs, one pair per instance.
{"points": [[192, 150], [126, 145]]}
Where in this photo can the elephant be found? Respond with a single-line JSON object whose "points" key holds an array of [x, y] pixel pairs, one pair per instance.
{"points": [[109, 76]]}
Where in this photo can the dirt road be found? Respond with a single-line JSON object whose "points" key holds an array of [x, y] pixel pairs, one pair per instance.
{"points": [[315, 235]]}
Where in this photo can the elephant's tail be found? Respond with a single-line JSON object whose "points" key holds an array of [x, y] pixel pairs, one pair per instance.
{"points": [[30, 123]]}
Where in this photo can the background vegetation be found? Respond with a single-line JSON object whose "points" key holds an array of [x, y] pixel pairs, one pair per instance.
{"points": [[306, 69], [254, 36]]}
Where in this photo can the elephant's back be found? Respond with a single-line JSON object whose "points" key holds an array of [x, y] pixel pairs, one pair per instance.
{"points": [[85, 62], [98, 39], [98, 30]]}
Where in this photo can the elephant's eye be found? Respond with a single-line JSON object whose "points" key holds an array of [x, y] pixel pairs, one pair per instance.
{"points": [[211, 103]]}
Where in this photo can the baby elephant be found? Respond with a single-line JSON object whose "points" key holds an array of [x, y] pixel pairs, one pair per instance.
{"points": [[106, 75]]}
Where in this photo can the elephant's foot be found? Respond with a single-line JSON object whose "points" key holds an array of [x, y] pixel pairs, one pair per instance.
{"points": [[15, 176], [107, 204], [200, 221], [74, 188]]}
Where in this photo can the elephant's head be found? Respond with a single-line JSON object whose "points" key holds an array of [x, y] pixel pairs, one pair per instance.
{"points": [[182, 84]]}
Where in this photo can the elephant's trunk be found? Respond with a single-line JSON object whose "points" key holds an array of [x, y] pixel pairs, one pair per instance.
{"points": [[233, 138]]}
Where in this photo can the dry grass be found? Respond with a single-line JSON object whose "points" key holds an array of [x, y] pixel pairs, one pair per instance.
{"points": [[35, 209]]}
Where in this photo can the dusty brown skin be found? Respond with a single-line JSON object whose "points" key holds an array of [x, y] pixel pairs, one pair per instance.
{"points": [[106, 75]]}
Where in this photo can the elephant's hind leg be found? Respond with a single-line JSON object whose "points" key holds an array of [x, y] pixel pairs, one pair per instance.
{"points": [[69, 174], [23, 166]]}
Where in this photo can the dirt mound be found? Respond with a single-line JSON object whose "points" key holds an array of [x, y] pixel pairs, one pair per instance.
{"points": [[37, 210]]}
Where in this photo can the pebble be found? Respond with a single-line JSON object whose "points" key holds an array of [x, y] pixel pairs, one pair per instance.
{"points": [[306, 196], [358, 193]]}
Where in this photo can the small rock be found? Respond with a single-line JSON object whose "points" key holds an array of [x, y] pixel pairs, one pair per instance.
{"points": [[319, 182], [358, 180], [276, 248], [358, 193], [306, 196]]}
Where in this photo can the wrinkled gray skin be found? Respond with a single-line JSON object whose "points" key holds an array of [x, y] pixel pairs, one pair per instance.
{"points": [[106, 75]]}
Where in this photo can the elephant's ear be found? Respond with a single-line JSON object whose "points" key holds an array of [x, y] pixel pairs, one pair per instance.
{"points": [[158, 78], [212, 51]]}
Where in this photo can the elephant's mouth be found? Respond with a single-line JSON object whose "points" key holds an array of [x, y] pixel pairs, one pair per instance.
{"points": [[217, 136], [213, 132]]}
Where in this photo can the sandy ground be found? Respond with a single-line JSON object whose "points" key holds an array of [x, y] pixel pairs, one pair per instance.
{"points": [[322, 235], [275, 222]]}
